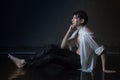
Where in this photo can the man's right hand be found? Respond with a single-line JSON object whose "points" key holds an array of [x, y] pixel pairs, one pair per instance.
{"points": [[72, 27]]}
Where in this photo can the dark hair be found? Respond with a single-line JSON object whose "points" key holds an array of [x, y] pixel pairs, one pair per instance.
{"points": [[82, 15]]}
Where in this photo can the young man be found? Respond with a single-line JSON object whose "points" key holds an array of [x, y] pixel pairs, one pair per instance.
{"points": [[80, 36]]}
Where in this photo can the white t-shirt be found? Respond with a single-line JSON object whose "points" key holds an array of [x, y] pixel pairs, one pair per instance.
{"points": [[89, 49]]}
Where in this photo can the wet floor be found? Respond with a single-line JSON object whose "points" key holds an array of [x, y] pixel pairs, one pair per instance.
{"points": [[8, 71]]}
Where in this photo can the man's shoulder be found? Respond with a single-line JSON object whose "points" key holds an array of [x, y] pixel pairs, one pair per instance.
{"points": [[89, 30]]}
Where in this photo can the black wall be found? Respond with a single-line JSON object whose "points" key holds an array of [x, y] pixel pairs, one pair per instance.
{"points": [[40, 22]]}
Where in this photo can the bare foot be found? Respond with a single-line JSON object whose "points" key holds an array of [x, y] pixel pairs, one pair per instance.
{"points": [[19, 62]]}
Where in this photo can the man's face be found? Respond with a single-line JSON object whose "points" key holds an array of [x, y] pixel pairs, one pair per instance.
{"points": [[76, 20]]}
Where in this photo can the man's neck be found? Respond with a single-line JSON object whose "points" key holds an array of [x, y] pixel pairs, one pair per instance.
{"points": [[78, 27]]}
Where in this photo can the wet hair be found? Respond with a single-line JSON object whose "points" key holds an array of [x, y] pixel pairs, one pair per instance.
{"points": [[82, 15]]}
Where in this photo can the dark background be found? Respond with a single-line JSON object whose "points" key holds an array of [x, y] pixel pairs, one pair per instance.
{"points": [[40, 22]]}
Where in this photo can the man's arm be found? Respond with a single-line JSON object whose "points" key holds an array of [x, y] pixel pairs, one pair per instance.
{"points": [[104, 66], [67, 35], [103, 60]]}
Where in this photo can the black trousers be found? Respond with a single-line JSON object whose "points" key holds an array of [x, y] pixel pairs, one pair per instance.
{"points": [[54, 54]]}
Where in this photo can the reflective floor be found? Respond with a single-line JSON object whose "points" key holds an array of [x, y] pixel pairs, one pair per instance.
{"points": [[8, 71]]}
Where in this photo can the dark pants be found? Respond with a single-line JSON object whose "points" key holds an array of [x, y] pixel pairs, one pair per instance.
{"points": [[53, 54]]}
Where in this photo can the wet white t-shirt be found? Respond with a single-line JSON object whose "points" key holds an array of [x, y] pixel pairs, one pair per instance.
{"points": [[89, 49]]}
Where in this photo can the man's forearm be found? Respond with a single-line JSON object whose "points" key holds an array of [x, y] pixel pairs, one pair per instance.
{"points": [[65, 39], [71, 29], [103, 61]]}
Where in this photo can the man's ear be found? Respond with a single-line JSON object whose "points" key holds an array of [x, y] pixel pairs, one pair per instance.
{"points": [[82, 21]]}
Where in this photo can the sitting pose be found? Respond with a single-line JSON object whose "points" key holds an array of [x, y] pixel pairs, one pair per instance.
{"points": [[49, 54], [79, 38]]}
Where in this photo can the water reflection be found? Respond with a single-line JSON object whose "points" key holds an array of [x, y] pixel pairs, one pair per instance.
{"points": [[92, 76], [86, 76], [72, 75], [89, 76], [17, 74]]}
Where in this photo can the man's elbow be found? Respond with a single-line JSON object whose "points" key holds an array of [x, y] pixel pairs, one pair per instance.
{"points": [[62, 46]]}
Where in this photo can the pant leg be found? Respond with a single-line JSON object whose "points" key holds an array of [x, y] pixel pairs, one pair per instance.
{"points": [[58, 56], [69, 62], [64, 57], [43, 55]]}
